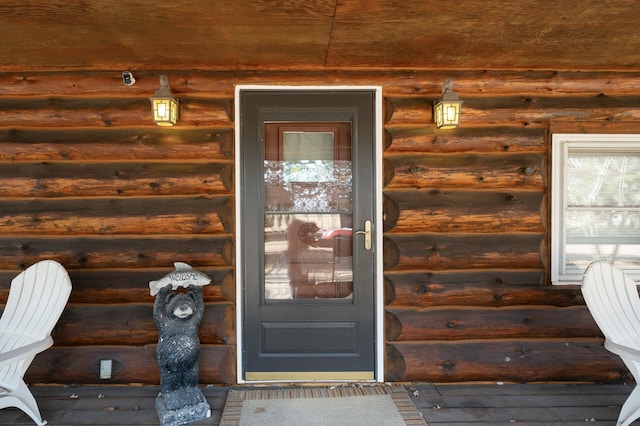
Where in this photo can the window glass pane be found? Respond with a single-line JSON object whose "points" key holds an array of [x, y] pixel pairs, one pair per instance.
{"points": [[611, 180], [308, 156], [602, 217], [612, 235], [308, 220], [284, 194], [308, 256], [603, 225], [622, 255]]}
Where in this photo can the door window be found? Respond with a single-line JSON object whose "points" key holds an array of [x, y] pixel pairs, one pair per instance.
{"points": [[308, 211]]}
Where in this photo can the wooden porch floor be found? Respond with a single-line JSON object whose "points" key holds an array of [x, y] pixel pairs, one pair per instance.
{"points": [[451, 405]]}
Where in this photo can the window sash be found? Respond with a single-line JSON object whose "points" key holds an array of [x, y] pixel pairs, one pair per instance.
{"points": [[600, 218]]}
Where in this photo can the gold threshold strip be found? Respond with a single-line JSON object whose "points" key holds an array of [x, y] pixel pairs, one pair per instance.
{"points": [[309, 375]]}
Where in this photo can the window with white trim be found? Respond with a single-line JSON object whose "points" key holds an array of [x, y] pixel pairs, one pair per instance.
{"points": [[595, 204]]}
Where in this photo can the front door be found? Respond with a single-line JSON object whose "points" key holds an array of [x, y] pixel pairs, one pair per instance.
{"points": [[307, 206]]}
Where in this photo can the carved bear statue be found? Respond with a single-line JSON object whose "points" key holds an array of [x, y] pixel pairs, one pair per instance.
{"points": [[178, 316]]}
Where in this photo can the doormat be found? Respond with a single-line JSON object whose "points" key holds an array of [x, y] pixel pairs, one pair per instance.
{"points": [[386, 405]]}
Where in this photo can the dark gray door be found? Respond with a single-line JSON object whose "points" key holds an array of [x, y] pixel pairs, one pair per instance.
{"points": [[307, 207]]}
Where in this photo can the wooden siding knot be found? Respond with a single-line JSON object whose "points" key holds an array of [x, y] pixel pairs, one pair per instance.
{"points": [[524, 351], [529, 170], [453, 324], [448, 366]]}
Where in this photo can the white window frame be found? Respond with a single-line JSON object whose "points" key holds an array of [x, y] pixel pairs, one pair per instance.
{"points": [[561, 144]]}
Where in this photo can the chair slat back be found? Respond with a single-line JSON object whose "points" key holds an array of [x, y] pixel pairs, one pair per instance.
{"points": [[612, 298], [36, 300]]}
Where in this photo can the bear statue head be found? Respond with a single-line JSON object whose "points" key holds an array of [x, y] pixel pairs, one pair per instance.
{"points": [[180, 305]]}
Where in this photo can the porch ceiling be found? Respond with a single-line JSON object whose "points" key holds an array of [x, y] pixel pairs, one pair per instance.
{"points": [[320, 34]]}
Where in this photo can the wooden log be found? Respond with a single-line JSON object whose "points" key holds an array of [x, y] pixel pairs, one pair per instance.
{"points": [[404, 111], [394, 366], [440, 252], [131, 364], [395, 82], [465, 323], [496, 287], [516, 111], [521, 361], [486, 171], [228, 287], [113, 286], [113, 324], [462, 211], [122, 252], [427, 139], [210, 112], [129, 144], [189, 215], [593, 127], [113, 112], [118, 179]]}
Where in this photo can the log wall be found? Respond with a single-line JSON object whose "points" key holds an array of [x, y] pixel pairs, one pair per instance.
{"points": [[88, 180]]}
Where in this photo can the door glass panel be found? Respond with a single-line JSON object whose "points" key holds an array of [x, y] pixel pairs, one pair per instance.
{"points": [[308, 217], [298, 147]]}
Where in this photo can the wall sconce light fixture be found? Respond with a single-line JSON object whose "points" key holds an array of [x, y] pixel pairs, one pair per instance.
{"points": [[446, 112], [163, 105]]}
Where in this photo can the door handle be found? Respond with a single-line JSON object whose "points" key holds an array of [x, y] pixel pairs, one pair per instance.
{"points": [[367, 234]]}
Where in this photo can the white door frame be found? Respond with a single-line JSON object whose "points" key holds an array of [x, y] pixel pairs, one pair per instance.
{"points": [[379, 290]]}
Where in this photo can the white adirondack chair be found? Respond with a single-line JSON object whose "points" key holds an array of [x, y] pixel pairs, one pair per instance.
{"points": [[36, 300], [612, 299]]}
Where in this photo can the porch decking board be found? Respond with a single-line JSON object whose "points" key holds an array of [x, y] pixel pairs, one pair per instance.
{"points": [[548, 404], [104, 405], [442, 404]]}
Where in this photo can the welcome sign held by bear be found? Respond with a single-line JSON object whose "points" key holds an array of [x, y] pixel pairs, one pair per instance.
{"points": [[178, 316]]}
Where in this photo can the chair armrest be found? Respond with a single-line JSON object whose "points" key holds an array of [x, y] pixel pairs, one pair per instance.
{"points": [[25, 351], [621, 349]]}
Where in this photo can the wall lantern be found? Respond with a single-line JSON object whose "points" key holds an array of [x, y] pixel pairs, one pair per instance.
{"points": [[163, 105], [446, 112]]}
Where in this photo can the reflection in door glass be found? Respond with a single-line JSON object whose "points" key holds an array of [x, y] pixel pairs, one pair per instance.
{"points": [[308, 220], [282, 194], [308, 256]]}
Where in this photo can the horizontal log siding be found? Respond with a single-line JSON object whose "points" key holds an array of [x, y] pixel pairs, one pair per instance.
{"points": [[87, 179], [466, 243]]}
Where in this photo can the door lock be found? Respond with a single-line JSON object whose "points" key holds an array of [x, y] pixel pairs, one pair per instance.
{"points": [[367, 234]]}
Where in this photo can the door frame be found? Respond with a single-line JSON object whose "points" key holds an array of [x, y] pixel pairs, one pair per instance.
{"points": [[379, 277]]}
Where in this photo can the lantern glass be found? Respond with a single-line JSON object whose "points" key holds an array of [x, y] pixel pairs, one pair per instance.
{"points": [[165, 111], [447, 114]]}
